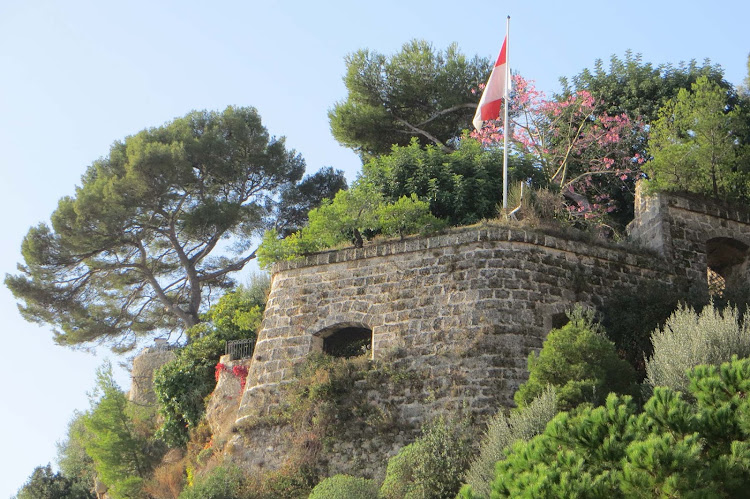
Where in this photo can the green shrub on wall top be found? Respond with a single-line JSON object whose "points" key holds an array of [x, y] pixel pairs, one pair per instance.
{"points": [[350, 218]]}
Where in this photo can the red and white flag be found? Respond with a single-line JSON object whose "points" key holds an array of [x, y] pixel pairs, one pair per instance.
{"points": [[498, 88]]}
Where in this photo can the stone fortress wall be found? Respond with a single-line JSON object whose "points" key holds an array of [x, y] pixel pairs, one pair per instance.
{"points": [[145, 365], [693, 234], [470, 305], [465, 309]]}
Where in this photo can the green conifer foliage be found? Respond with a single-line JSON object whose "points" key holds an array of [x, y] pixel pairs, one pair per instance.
{"points": [[697, 147], [580, 362], [503, 430], [670, 449], [122, 456]]}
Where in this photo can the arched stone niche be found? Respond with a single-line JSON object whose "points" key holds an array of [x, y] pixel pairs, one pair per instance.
{"points": [[346, 339], [727, 262]]}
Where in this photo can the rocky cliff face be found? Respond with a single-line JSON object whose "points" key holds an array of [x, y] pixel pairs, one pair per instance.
{"points": [[221, 411], [142, 375]]}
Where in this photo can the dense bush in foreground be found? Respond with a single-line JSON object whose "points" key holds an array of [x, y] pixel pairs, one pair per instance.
{"points": [[433, 465], [580, 362], [503, 431], [689, 339], [345, 487], [670, 449]]}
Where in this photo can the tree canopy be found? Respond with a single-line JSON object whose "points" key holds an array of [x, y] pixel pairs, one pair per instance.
{"points": [[697, 144], [299, 199], [44, 484], [122, 455], [639, 88], [461, 187], [157, 226], [418, 92], [71, 453]]}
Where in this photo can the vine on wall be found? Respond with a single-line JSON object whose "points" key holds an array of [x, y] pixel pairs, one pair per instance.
{"points": [[238, 371]]}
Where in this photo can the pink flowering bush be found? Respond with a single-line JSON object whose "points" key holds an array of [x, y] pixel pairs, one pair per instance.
{"points": [[584, 154]]}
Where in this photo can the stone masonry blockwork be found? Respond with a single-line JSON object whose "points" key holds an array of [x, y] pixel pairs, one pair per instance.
{"points": [[468, 306], [463, 310]]}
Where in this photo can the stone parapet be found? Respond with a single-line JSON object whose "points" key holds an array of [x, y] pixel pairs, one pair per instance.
{"points": [[461, 310], [682, 227]]}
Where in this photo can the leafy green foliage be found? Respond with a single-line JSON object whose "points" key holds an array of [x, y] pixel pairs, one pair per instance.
{"points": [[689, 339], [418, 92], [275, 249], [405, 216], [44, 484], [695, 146], [399, 475], [122, 455], [136, 249], [413, 189], [462, 187], [342, 219], [297, 200], [639, 88], [432, 466], [71, 453], [671, 449], [182, 385], [222, 482], [351, 216], [579, 362], [345, 487], [504, 430]]}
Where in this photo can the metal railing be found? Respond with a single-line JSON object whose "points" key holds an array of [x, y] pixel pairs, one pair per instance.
{"points": [[240, 349]]}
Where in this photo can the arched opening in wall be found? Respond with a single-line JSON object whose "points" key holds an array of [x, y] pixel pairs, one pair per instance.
{"points": [[346, 340], [727, 261], [559, 320]]}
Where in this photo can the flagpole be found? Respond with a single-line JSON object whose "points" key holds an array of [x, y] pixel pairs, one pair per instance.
{"points": [[505, 114]]}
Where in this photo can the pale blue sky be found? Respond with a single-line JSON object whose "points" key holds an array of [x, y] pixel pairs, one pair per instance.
{"points": [[77, 75]]}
